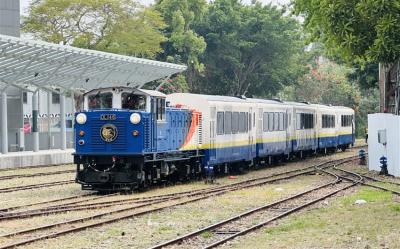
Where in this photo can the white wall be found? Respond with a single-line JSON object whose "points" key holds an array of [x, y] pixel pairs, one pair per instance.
{"points": [[390, 123]]}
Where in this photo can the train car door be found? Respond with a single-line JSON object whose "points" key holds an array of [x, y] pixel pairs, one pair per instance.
{"points": [[315, 131], [212, 149], [251, 131], [287, 125]]}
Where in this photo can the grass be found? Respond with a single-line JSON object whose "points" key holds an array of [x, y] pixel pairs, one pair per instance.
{"points": [[206, 235], [367, 194]]}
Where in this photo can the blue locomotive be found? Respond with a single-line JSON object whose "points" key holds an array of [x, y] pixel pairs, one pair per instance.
{"points": [[130, 138]]}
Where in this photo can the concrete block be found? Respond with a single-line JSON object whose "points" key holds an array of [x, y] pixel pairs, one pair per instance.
{"points": [[32, 159]]}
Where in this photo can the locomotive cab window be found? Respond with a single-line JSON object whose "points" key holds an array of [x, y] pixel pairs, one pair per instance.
{"points": [[160, 109], [133, 101], [100, 100]]}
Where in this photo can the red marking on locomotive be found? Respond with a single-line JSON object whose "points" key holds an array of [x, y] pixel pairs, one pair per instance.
{"points": [[193, 126]]}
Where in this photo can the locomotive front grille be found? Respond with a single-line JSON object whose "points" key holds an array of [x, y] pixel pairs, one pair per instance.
{"points": [[98, 144]]}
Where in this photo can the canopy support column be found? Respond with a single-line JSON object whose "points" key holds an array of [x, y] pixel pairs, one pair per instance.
{"points": [[35, 110], [49, 101], [63, 132], [4, 123]]}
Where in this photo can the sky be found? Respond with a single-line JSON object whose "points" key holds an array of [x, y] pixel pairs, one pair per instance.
{"points": [[25, 3]]}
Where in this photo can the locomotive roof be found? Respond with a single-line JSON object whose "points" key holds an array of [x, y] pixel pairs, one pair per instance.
{"points": [[143, 91]]}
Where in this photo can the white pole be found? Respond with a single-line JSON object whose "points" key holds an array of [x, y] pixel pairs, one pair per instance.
{"points": [[35, 110], [4, 123], [49, 101], [63, 132]]}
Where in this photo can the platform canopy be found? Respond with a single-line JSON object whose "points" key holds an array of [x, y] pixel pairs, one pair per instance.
{"points": [[28, 63]]}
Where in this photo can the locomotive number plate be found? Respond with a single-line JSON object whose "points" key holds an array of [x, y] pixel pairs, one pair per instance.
{"points": [[108, 117]]}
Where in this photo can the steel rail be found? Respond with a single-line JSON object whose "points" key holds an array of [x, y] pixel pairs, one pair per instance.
{"points": [[10, 177], [35, 186], [94, 196], [371, 185]]}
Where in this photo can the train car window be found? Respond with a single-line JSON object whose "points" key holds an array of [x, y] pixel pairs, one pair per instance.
{"points": [[276, 121], [298, 121], [100, 101], [270, 121], [242, 122], [248, 127], [347, 120], [228, 123], [133, 101], [305, 121], [235, 122], [312, 121], [265, 121], [302, 121], [328, 121], [220, 123], [160, 113], [281, 121]]}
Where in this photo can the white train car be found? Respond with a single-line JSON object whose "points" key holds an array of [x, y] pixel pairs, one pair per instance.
{"points": [[232, 129], [303, 133], [228, 123], [327, 127], [346, 126], [273, 122]]}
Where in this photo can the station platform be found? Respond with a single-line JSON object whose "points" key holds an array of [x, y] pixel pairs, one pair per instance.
{"points": [[40, 158]]}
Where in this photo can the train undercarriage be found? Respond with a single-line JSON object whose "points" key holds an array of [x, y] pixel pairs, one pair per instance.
{"points": [[127, 173]]}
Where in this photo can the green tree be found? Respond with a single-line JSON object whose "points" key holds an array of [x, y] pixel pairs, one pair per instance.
{"points": [[251, 49], [357, 30], [117, 26], [184, 44]]}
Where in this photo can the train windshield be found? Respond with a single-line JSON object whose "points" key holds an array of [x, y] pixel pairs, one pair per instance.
{"points": [[100, 100], [133, 101]]}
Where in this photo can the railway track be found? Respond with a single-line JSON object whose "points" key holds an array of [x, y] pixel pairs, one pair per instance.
{"points": [[154, 204], [10, 177], [35, 186], [76, 206]]}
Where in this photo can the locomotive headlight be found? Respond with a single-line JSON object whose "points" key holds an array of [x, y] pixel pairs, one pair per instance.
{"points": [[135, 118], [81, 118]]}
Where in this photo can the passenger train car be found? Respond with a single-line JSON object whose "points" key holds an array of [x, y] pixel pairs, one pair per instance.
{"points": [[131, 138]]}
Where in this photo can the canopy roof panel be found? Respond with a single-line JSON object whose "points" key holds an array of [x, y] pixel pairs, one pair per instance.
{"points": [[45, 65]]}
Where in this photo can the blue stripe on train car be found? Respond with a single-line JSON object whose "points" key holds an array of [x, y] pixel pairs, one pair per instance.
{"points": [[304, 144], [327, 142], [346, 139], [228, 154], [274, 148]]}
